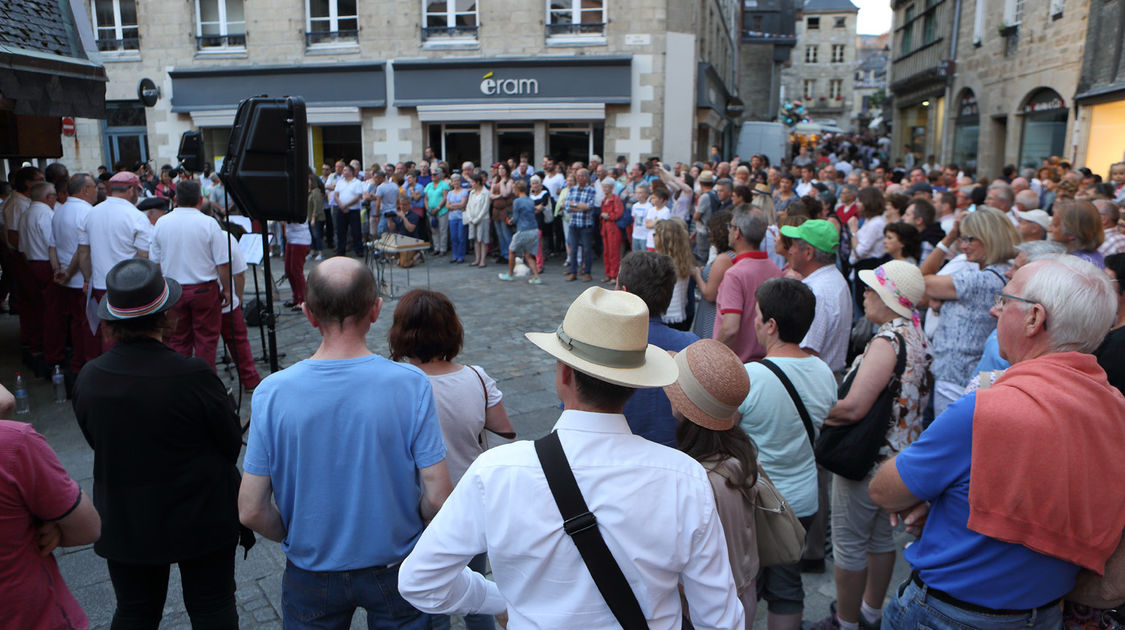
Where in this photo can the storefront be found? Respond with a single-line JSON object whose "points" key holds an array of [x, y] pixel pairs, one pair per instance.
{"points": [[714, 125], [1043, 132], [966, 130], [1105, 146], [921, 127]]}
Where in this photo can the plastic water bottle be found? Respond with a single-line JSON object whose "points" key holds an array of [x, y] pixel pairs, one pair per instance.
{"points": [[59, 382], [23, 401]]}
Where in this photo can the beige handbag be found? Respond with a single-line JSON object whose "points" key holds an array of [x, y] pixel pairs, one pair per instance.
{"points": [[781, 537]]}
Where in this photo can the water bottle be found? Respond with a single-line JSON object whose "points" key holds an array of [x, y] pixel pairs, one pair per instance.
{"points": [[59, 381], [23, 401]]}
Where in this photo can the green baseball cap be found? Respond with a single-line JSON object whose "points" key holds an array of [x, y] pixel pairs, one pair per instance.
{"points": [[819, 233]]}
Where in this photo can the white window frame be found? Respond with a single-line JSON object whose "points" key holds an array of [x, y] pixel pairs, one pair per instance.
{"points": [[835, 88], [224, 26], [333, 19], [576, 12], [1013, 12], [978, 22], [813, 51], [451, 14], [808, 89], [118, 27], [1056, 7], [843, 50]]}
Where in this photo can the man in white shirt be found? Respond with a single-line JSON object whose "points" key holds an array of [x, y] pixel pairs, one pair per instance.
{"points": [[348, 195], [192, 249], [806, 186], [70, 313], [36, 244], [504, 506], [14, 264]]}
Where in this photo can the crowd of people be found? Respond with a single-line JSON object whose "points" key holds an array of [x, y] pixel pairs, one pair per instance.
{"points": [[877, 347]]}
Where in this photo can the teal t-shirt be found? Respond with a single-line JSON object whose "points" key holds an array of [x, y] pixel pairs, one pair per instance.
{"points": [[434, 194]]}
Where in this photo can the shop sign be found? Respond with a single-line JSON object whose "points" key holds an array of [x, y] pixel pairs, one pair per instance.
{"points": [[606, 79], [492, 86], [1044, 100], [968, 106]]}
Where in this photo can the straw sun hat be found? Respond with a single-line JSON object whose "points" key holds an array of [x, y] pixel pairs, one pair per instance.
{"points": [[711, 386], [605, 335], [899, 284]]}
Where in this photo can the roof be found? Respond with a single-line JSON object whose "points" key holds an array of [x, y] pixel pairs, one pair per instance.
{"points": [[830, 5]]}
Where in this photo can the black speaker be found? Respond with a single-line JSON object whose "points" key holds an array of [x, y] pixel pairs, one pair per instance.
{"points": [[190, 154], [266, 168]]}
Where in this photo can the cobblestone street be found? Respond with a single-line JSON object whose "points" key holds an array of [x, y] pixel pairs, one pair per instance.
{"points": [[495, 315]]}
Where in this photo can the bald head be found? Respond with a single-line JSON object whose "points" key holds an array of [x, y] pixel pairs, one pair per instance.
{"points": [[340, 289], [1019, 184], [1027, 200]]}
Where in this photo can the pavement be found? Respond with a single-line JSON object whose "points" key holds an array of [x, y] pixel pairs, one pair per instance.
{"points": [[494, 314]]}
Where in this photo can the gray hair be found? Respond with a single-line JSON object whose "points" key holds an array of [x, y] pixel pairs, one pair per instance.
{"points": [[40, 190], [1081, 303], [751, 226], [1028, 199], [535, 179], [77, 182], [468, 165], [1036, 250], [1108, 208], [1004, 191], [820, 256]]}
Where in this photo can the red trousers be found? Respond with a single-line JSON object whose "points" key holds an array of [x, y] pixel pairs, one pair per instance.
{"points": [[295, 270], [611, 248], [198, 318], [238, 347], [34, 284], [68, 315]]}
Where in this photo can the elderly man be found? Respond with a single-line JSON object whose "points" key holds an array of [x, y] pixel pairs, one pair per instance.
{"points": [[506, 503], [1032, 224], [1114, 238], [580, 204], [70, 314], [1000, 196], [37, 245], [735, 302], [1020, 480]]}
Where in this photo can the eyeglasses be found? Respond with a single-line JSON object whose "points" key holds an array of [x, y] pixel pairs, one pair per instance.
{"points": [[1000, 297], [967, 239]]}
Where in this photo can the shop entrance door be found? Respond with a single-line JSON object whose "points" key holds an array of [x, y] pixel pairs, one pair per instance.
{"points": [[512, 140], [575, 142], [455, 143], [126, 134], [336, 142]]}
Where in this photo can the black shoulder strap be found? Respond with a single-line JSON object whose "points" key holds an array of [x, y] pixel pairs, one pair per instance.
{"points": [[797, 402], [900, 363], [997, 274], [582, 527]]}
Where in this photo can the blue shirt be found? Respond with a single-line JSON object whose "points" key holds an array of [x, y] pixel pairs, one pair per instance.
{"points": [[648, 411], [342, 442], [990, 359], [581, 194], [951, 557], [523, 213]]}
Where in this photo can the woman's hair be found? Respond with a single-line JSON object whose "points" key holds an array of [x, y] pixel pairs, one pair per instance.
{"points": [[898, 200], [708, 445], [813, 206], [744, 193], [719, 230], [909, 236], [995, 231], [1081, 220], [425, 328], [794, 220], [871, 203], [140, 327], [766, 205], [672, 238], [1116, 262], [506, 173]]}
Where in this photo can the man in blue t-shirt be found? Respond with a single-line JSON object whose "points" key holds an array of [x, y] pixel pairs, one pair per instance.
{"points": [[354, 473]]}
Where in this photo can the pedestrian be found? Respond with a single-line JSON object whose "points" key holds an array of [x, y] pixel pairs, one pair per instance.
{"points": [[641, 207], [166, 440], [298, 239], [37, 246], [437, 211], [69, 316], [1078, 225], [544, 218], [735, 300], [526, 240], [320, 500], [670, 237], [316, 215], [602, 356], [477, 219], [233, 329], [501, 197], [612, 211], [456, 201], [348, 195], [580, 205]]}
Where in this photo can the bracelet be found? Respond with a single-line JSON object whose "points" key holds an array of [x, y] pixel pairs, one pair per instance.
{"points": [[945, 248]]}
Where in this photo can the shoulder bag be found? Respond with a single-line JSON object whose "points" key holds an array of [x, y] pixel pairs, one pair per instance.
{"points": [[483, 439], [850, 451], [582, 527]]}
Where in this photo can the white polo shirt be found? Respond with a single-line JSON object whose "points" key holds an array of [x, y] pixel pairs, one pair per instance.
{"points": [[237, 266], [36, 237], [14, 207], [188, 245], [345, 190], [831, 327], [115, 230], [64, 225]]}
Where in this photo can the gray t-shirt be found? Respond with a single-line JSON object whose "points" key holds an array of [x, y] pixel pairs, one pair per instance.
{"points": [[386, 195]]}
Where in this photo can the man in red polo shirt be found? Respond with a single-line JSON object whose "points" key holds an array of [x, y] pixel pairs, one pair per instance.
{"points": [[736, 299]]}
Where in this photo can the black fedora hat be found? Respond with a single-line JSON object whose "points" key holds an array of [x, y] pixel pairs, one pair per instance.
{"points": [[135, 288]]}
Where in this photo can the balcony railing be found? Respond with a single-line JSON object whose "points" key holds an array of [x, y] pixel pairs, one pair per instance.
{"points": [[205, 42], [449, 32], [125, 43], [331, 37], [582, 28]]}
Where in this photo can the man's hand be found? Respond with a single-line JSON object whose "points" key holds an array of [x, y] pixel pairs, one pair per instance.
{"points": [[913, 518], [47, 537], [502, 619]]}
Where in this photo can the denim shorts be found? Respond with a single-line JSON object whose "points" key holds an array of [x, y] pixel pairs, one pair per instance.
{"points": [[525, 242]]}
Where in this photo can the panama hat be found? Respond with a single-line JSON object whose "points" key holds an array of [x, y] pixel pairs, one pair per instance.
{"points": [[605, 335], [711, 386], [136, 288], [899, 284], [706, 177]]}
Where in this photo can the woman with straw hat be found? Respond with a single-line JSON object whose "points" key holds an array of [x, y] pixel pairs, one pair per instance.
{"points": [[705, 398]]}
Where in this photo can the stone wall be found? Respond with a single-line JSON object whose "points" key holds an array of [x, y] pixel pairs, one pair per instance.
{"points": [[824, 70]]}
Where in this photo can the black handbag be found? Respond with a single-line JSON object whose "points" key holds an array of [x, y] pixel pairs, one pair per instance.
{"points": [[850, 451]]}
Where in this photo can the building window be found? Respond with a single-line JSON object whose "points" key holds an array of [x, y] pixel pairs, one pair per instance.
{"points": [[575, 17], [841, 22], [455, 19], [835, 88], [115, 22], [810, 89], [929, 32], [810, 54], [1013, 12], [1057, 8], [837, 53], [219, 24], [331, 22], [812, 24]]}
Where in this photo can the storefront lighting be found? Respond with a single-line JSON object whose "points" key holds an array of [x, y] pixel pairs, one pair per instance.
{"points": [[925, 103]]}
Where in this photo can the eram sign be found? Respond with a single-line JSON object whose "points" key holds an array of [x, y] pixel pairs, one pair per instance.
{"points": [[490, 86]]}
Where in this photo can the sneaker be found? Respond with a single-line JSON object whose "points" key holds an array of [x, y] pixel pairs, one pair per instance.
{"points": [[505, 277], [319, 257], [535, 281], [830, 622]]}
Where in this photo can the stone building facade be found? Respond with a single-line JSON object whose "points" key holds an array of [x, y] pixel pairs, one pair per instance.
{"points": [[923, 40], [475, 80], [1018, 64], [768, 37], [1101, 90], [822, 70]]}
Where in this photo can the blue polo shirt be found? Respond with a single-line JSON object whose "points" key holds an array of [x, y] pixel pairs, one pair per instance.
{"points": [[342, 442], [648, 411], [949, 556]]}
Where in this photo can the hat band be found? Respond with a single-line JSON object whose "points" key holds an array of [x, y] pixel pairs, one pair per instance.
{"points": [[697, 393], [140, 311], [606, 357]]}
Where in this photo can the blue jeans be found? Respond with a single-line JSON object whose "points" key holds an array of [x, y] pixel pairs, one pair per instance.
{"points": [[328, 599], [457, 235], [503, 237], [317, 231], [912, 607], [584, 237]]}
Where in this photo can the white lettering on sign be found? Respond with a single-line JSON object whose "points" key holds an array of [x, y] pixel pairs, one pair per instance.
{"points": [[490, 86]]}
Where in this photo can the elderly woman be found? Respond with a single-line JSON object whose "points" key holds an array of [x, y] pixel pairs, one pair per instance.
{"points": [[1078, 226], [477, 218], [863, 545], [166, 440], [986, 237], [456, 200]]}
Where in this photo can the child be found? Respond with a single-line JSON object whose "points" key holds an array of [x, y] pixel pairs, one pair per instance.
{"points": [[526, 239], [640, 209], [658, 211]]}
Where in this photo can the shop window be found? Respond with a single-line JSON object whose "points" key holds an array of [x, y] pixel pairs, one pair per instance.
{"points": [[449, 19], [810, 54], [836, 89], [810, 89], [331, 22], [838, 53], [812, 24], [219, 24], [966, 130], [115, 23], [575, 142], [568, 18], [1044, 127], [841, 22]]}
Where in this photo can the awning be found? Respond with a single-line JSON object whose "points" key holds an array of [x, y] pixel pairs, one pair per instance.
{"points": [[511, 111], [335, 85]]}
